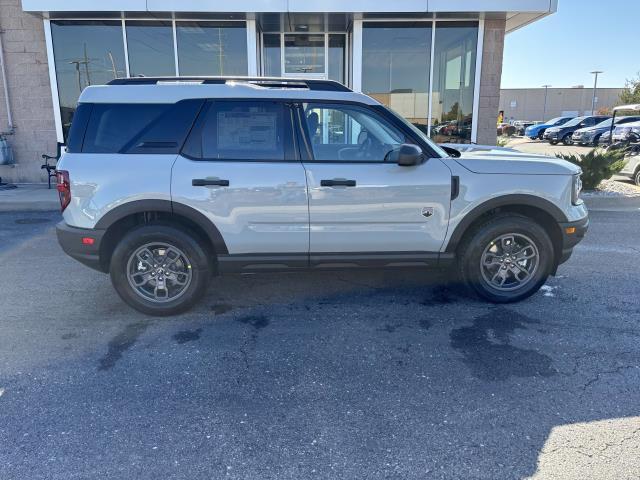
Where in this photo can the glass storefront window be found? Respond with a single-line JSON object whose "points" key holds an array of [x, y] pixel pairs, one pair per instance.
{"points": [[336, 57], [453, 81], [395, 67], [271, 55], [85, 53], [212, 48], [150, 48], [304, 53]]}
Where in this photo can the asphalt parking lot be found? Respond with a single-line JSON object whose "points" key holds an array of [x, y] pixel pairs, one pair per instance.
{"points": [[361, 375], [524, 144]]}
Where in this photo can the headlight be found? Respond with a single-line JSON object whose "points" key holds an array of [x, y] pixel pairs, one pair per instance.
{"points": [[576, 188]]}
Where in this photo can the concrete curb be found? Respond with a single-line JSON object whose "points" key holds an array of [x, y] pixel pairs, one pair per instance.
{"points": [[41, 206], [613, 204], [34, 197]]}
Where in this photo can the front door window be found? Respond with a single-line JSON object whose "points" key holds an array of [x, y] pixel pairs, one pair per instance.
{"points": [[349, 133]]}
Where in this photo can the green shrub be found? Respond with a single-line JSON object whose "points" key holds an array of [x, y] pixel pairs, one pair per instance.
{"points": [[502, 141], [597, 165]]}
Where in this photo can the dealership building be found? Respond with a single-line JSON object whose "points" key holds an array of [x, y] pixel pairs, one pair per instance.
{"points": [[436, 62]]}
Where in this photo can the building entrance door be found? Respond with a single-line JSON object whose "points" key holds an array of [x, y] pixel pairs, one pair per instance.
{"points": [[305, 56], [311, 55]]}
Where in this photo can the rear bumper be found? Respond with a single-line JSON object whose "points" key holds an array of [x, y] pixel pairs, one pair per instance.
{"points": [[570, 240], [70, 239]]}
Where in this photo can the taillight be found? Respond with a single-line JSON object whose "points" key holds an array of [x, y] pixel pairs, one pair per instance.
{"points": [[64, 188]]}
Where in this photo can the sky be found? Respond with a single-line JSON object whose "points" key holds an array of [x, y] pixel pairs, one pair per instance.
{"points": [[582, 36]]}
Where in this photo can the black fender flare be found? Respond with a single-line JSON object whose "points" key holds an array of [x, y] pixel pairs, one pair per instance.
{"points": [[511, 200], [166, 206]]}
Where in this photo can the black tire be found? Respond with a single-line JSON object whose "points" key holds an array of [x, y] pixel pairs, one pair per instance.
{"points": [[567, 139], [199, 262], [553, 142], [596, 140], [541, 135], [636, 178], [471, 250]]}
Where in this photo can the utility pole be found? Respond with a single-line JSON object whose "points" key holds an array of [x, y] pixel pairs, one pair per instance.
{"points": [[544, 108], [595, 85]]}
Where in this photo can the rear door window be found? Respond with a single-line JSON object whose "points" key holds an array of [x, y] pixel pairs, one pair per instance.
{"points": [[242, 131]]}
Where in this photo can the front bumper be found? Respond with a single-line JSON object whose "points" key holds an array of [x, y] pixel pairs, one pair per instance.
{"points": [[71, 241], [551, 135], [570, 240]]}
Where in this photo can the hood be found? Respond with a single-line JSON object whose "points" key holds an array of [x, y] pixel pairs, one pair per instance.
{"points": [[515, 163]]}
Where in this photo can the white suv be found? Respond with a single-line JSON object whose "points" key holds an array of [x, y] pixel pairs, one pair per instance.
{"points": [[166, 182]]}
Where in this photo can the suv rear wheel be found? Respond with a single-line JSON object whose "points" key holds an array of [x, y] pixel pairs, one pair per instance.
{"points": [[160, 270], [506, 259]]}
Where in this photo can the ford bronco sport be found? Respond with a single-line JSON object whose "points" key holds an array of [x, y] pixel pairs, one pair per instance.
{"points": [[167, 181]]}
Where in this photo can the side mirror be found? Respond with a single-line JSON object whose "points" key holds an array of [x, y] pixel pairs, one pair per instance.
{"points": [[406, 155], [452, 152]]}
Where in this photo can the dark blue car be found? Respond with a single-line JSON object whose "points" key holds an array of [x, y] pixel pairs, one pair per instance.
{"points": [[537, 131]]}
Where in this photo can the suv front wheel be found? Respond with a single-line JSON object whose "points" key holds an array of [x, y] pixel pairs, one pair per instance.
{"points": [[160, 270], [506, 259]]}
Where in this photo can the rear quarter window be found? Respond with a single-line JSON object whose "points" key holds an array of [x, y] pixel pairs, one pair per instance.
{"points": [[139, 128]]}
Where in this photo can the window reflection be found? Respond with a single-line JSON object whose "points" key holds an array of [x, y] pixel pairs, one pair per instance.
{"points": [[304, 53], [453, 82], [395, 67], [85, 53], [150, 48], [336, 57], [271, 54], [212, 48]]}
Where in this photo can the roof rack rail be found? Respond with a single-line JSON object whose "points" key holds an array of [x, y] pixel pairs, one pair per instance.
{"points": [[272, 82]]}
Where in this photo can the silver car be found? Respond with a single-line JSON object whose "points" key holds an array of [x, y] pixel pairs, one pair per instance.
{"points": [[166, 182]]}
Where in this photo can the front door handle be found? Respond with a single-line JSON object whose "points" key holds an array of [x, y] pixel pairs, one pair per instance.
{"points": [[337, 182], [203, 182]]}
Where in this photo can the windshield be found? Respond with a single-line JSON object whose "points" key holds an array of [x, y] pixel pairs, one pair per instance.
{"points": [[573, 122], [605, 123], [554, 121], [419, 133]]}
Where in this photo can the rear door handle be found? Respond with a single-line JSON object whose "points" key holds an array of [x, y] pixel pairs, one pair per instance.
{"points": [[337, 182], [203, 182]]}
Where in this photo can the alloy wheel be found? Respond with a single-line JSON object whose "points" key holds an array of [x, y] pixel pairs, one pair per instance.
{"points": [[159, 272], [509, 262]]}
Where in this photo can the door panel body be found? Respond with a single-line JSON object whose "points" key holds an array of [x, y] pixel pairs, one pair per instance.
{"points": [[359, 200], [238, 167], [384, 212], [263, 210]]}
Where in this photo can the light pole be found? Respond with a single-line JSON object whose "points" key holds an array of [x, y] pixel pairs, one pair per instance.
{"points": [[595, 84], [544, 108]]}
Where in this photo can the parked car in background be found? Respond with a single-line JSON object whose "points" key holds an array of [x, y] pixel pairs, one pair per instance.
{"points": [[604, 138], [522, 125], [537, 131], [563, 133], [591, 135], [506, 129], [621, 133]]}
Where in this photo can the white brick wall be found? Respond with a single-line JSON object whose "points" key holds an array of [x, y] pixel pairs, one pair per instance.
{"points": [[29, 93]]}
